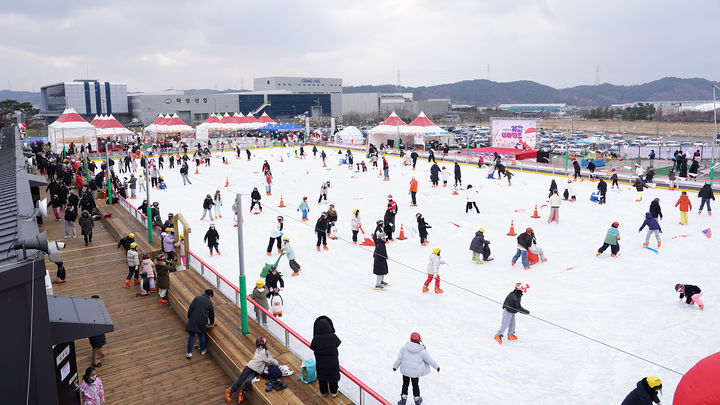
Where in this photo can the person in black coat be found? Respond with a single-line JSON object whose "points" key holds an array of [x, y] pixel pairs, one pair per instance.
{"points": [[414, 157], [655, 209], [321, 231], [479, 245], [389, 227], [97, 342], [646, 392], [255, 197], [380, 267], [706, 194], [511, 306], [325, 346], [431, 155], [553, 187], [602, 188], [435, 174], [212, 238], [422, 229], [458, 174], [576, 168], [591, 168], [691, 293], [272, 279], [201, 313]]}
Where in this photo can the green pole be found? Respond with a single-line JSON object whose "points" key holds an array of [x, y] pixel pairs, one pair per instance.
{"points": [[64, 152], [108, 179], [241, 257], [566, 160], [148, 214]]}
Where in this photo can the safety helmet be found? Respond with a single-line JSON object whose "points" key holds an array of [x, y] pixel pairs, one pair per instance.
{"points": [[133, 245], [418, 215], [260, 342], [679, 287], [146, 256], [654, 382], [182, 237], [481, 230], [304, 198], [436, 251], [260, 283], [415, 337], [286, 239], [529, 230], [273, 268], [522, 287], [170, 215], [131, 235], [355, 211], [168, 229], [207, 196], [615, 224], [280, 218], [389, 196], [160, 257]]}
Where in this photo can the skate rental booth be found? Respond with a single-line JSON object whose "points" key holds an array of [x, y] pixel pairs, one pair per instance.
{"points": [[416, 134], [512, 139]]}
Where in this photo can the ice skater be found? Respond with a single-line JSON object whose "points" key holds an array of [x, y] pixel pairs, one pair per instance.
{"points": [[685, 206], [524, 241], [262, 364], [355, 225], [480, 247], [275, 235], [433, 270], [554, 202], [321, 231], [576, 171], [614, 178], [422, 229], [458, 175], [207, 207], [255, 199], [653, 229], [324, 191], [611, 240], [413, 362], [445, 176], [602, 189], [471, 195], [380, 267], [705, 194], [288, 251], [691, 293], [217, 203], [303, 207], [213, 239], [413, 191], [511, 306]]}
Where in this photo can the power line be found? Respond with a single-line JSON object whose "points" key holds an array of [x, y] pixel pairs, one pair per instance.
{"points": [[460, 287]]}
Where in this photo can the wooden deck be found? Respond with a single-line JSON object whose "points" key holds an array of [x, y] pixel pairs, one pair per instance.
{"points": [[145, 356]]}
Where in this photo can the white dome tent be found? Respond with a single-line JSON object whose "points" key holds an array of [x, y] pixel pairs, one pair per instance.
{"points": [[349, 135]]}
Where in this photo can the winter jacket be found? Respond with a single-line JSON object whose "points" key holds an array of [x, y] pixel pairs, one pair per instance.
{"points": [[132, 182], [671, 175], [684, 203], [272, 280], [576, 166], [259, 295], [325, 346], [260, 360], [413, 185], [321, 224], [303, 206], [255, 195], [614, 176], [651, 223], [690, 290], [445, 174], [641, 395], [324, 188], [472, 195], [207, 203], [355, 222], [434, 170], [217, 200], [86, 224], [512, 303], [612, 237], [434, 264], [524, 241], [602, 187], [180, 247], [87, 204], [332, 214], [414, 361], [125, 242], [200, 313], [148, 267], [423, 227], [168, 242], [276, 229], [554, 200], [639, 185], [380, 266], [289, 252], [571, 189], [70, 214], [553, 186], [706, 192], [211, 237], [591, 166], [132, 257], [392, 207], [162, 279], [98, 340], [655, 209], [478, 243]]}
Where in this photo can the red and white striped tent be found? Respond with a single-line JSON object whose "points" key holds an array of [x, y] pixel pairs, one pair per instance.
{"points": [[69, 128], [265, 119], [109, 126]]}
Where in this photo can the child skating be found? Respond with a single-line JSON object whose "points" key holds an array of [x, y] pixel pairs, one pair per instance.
{"points": [[290, 254], [480, 247], [653, 229], [685, 206], [422, 229], [355, 225], [413, 362], [691, 293], [303, 207], [433, 270], [511, 306], [611, 240], [213, 239]]}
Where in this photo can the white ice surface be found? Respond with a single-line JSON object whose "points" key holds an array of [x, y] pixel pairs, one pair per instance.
{"points": [[628, 302]]}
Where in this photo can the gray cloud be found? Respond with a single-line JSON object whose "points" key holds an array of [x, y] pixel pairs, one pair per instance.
{"points": [[153, 45]]}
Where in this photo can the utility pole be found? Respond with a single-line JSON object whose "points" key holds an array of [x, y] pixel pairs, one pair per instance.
{"points": [[597, 74]]}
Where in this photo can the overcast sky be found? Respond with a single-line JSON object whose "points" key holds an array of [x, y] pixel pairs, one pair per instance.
{"points": [[158, 44]]}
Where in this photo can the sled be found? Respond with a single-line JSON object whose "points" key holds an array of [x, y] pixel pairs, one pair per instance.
{"points": [[267, 266], [595, 197], [533, 258], [276, 304], [367, 241]]}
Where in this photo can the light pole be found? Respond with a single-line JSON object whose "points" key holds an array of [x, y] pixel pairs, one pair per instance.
{"points": [[241, 259], [108, 178], [148, 210]]}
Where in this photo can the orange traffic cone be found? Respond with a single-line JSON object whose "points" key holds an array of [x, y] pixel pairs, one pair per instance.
{"points": [[281, 158], [512, 229], [282, 203], [196, 170], [535, 214], [227, 181], [402, 233], [455, 191], [324, 164]]}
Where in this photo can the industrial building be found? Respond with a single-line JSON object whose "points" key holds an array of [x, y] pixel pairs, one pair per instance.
{"points": [[378, 105], [534, 109], [87, 97]]}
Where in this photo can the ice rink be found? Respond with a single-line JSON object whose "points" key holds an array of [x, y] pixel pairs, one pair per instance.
{"points": [[628, 302]]}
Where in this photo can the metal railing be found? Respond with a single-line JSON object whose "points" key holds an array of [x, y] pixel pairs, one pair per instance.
{"points": [[354, 388]]}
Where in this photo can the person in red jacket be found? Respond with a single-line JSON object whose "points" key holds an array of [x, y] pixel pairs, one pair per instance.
{"points": [[413, 190], [685, 207]]}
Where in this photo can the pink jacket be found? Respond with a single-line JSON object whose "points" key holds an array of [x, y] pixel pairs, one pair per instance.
{"points": [[148, 267]]}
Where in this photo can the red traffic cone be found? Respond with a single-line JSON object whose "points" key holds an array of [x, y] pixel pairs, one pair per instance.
{"points": [[535, 214], [281, 158], [282, 203], [196, 170], [227, 181], [512, 229], [402, 233], [455, 191], [324, 164]]}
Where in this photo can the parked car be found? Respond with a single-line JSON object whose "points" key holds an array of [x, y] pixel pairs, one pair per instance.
{"points": [[672, 143]]}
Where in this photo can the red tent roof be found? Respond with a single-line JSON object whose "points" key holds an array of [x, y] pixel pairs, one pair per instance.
{"points": [[265, 119], [250, 118], [212, 119], [226, 119], [174, 120], [95, 120], [70, 115], [238, 119], [111, 122], [393, 120], [160, 120], [422, 121]]}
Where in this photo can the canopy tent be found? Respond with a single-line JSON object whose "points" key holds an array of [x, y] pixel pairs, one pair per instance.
{"points": [[264, 118], [70, 127], [202, 131], [109, 126], [418, 132], [388, 129], [156, 125], [176, 125], [349, 135], [281, 127]]}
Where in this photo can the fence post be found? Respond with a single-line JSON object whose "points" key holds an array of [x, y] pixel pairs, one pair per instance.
{"points": [[362, 395], [287, 338], [237, 298]]}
